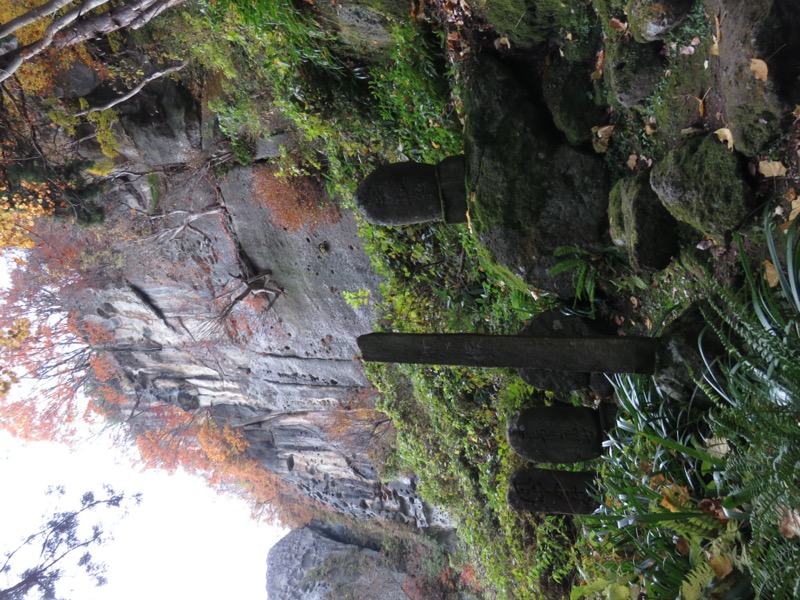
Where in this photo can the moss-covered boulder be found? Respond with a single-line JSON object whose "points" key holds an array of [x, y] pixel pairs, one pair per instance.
{"points": [[571, 98], [651, 20], [640, 223], [529, 192], [702, 183], [363, 27], [750, 106], [527, 23], [632, 70]]}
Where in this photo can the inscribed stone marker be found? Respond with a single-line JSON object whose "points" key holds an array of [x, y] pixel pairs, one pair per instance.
{"points": [[556, 434], [552, 492]]}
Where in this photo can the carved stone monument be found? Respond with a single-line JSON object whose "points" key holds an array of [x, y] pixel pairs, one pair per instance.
{"points": [[410, 192], [556, 434]]}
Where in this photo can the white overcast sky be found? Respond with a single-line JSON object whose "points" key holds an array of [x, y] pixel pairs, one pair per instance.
{"points": [[183, 540]]}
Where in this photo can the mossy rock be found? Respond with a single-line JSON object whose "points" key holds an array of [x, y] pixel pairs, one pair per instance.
{"points": [[527, 23], [652, 20], [676, 103], [363, 27], [570, 96], [753, 108], [529, 192], [702, 183], [632, 70], [640, 223]]}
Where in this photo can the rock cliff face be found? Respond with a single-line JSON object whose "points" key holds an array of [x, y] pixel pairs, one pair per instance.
{"points": [[281, 358]]}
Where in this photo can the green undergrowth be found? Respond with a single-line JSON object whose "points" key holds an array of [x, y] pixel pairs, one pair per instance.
{"points": [[348, 112], [451, 432]]}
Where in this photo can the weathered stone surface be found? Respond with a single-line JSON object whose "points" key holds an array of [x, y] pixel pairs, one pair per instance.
{"points": [[77, 81], [632, 70], [532, 192], [640, 223], [307, 565], [577, 354], [702, 183], [568, 93], [766, 29], [174, 138], [451, 176], [556, 434], [651, 20], [552, 492]]}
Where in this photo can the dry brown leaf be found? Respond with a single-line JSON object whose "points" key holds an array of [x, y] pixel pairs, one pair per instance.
{"points": [[633, 160], [598, 66], [724, 135], [502, 42], [790, 522], [791, 194], [770, 274], [771, 168], [721, 566], [603, 132], [759, 69], [682, 546], [617, 25], [795, 209], [649, 130]]}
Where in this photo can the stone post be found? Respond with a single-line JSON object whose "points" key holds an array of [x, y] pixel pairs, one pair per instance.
{"points": [[609, 354]]}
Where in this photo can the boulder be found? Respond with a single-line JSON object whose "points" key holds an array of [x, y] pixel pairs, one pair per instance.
{"points": [[639, 223], [632, 70], [529, 192], [307, 565], [702, 183], [568, 93]]}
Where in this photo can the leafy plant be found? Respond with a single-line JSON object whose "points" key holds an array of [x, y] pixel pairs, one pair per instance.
{"points": [[757, 386]]}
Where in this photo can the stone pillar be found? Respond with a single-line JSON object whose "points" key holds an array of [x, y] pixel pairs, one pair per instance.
{"points": [[610, 354], [410, 192]]}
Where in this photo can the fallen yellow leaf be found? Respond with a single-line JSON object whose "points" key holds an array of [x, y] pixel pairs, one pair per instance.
{"points": [[649, 130], [771, 168], [759, 69], [770, 274], [725, 135], [721, 565], [701, 105], [633, 160]]}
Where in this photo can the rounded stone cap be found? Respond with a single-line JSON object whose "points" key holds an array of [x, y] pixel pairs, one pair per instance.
{"points": [[400, 194]]}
